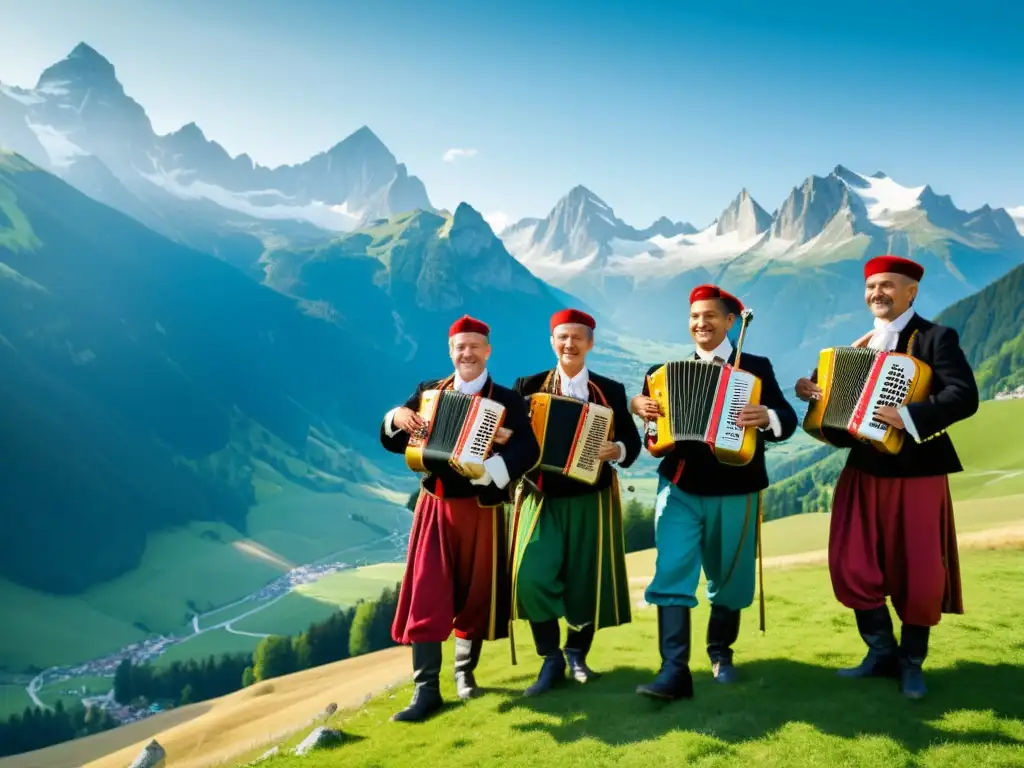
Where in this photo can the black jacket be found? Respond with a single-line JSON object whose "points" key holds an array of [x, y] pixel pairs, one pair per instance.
{"points": [[519, 454], [624, 430], [693, 465], [954, 397]]}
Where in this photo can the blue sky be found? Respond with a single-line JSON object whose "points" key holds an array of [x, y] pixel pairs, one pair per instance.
{"points": [[660, 108]]}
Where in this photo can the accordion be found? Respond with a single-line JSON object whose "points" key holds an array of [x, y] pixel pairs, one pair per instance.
{"points": [[459, 433], [701, 401], [570, 433], [854, 383]]}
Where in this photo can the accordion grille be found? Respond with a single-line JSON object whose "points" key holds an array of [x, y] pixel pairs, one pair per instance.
{"points": [[850, 372], [692, 385], [449, 417]]}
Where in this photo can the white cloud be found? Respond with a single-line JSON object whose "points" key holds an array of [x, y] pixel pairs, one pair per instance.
{"points": [[455, 153], [497, 220]]}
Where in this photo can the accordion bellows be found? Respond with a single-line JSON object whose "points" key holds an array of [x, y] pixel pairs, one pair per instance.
{"points": [[570, 433], [854, 383], [701, 401], [459, 434]]}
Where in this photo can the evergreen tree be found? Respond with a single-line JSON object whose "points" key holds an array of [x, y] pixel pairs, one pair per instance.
{"points": [[361, 636], [274, 656]]}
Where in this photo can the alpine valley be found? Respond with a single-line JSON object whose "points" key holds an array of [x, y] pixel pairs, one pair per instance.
{"points": [[195, 367], [197, 349]]}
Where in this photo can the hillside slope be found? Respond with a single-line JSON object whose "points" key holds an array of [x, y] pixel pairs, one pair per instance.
{"points": [[991, 327], [403, 280], [142, 380]]}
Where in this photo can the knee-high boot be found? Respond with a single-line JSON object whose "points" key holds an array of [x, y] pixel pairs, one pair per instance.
{"points": [[426, 698], [552, 671], [577, 646], [882, 660], [723, 629], [467, 655], [674, 680], [913, 651]]}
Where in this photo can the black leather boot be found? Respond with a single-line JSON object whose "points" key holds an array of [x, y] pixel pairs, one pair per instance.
{"points": [[577, 646], [723, 629], [426, 698], [467, 654], [913, 651], [674, 680], [552, 671], [882, 659]]}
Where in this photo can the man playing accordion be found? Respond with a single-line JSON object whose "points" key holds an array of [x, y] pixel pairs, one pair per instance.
{"points": [[707, 512], [892, 530], [568, 550], [456, 571]]}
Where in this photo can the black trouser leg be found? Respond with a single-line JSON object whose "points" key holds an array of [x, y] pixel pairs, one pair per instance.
{"points": [[577, 646], [913, 651], [723, 629], [467, 655], [882, 659], [426, 698], [546, 635], [674, 680]]}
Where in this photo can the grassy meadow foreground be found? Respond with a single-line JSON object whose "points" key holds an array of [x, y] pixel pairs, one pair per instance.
{"points": [[788, 710]]}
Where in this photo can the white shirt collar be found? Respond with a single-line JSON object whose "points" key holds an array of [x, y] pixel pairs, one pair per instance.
{"points": [[723, 351], [470, 387], [887, 334], [896, 325], [575, 386]]}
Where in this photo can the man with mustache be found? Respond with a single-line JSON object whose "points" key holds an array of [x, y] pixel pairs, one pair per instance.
{"points": [[707, 513], [456, 570], [568, 553], [892, 530]]}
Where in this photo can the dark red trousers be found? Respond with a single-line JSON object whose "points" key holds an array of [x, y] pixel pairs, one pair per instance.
{"points": [[456, 574], [895, 537]]}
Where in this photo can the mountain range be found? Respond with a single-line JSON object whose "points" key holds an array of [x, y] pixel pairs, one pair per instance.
{"points": [[798, 267], [78, 123]]}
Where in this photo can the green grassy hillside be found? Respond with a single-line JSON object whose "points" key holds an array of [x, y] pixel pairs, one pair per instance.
{"points": [[993, 464], [789, 709], [183, 435]]}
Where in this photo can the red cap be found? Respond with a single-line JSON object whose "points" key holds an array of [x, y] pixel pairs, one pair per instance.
{"points": [[467, 324], [896, 264], [702, 292], [572, 316]]}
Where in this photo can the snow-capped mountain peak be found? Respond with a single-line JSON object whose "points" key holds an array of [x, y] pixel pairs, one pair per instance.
{"points": [[580, 234], [744, 217]]}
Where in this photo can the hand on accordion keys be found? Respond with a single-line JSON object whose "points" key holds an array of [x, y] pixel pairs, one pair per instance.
{"points": [[407, 420], [646, 408], [806, 390], [889, 415], [608, 451], [502, 436], [753, 416]]}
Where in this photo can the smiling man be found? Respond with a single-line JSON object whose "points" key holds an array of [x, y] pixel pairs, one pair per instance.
{"points": [[456, 569], [568, 554], [706, 512], [892, 530]]}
